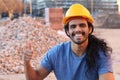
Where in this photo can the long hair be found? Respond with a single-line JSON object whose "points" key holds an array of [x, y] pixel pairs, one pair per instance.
{"points": [[94, 45]]}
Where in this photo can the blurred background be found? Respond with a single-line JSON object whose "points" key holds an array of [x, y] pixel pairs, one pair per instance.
{"points": [[41, 9], [40, 22], [37, 7]]}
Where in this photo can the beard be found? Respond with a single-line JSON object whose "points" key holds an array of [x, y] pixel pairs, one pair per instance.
{"points": [[78, 41]]}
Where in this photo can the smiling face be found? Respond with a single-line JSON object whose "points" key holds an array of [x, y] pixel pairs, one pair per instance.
{"points": [[79, 30]]}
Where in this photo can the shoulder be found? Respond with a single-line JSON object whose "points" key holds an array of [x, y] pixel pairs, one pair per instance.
{"points": [[104, 62], [54, 55], [104, 58], [103, 54], [58, 48]]}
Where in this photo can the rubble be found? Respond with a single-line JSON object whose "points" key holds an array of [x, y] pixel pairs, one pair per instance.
{"points": [[15, 35]]}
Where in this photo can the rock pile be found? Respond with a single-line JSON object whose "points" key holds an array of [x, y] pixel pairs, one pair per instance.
{"points": [[14, 37]]}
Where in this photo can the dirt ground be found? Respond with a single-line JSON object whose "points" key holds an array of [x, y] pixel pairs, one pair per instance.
{"points": [[110, 35]]}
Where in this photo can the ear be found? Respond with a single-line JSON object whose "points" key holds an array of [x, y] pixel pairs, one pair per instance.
{"points": [[67, 32], [66, 29], [90, 29]]}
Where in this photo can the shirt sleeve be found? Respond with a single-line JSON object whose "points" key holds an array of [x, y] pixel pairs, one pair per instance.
{"points": [[105, 64], [48, 60]]}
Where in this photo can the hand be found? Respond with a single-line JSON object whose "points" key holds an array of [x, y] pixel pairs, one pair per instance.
{"points": [[28, 52]]}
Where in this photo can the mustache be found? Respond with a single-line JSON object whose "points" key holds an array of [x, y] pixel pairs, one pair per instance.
{"points": [[83, 33]]}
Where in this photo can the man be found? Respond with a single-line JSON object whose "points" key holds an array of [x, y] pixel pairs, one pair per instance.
{"points": [[85, 57]]}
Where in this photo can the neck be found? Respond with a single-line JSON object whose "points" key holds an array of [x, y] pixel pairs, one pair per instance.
{"points": [[79, 49]]}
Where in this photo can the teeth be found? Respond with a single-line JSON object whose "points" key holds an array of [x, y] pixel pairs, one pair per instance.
{"points": [[78, 35]]}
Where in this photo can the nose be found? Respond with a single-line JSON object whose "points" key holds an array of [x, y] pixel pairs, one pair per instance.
{"points": [[78, 28]]}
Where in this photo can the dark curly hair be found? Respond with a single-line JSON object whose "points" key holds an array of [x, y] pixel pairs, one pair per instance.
{"points": [[94, 45]]}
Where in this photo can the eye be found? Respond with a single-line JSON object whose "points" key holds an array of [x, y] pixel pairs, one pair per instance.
{"points": [[82, 25], [73, 26]]}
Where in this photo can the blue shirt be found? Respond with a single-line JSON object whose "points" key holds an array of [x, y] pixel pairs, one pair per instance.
{"points": [[67, 66]]}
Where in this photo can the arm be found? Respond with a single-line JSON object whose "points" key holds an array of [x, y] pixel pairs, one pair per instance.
{"points": [[32, 74], [106, 76]]}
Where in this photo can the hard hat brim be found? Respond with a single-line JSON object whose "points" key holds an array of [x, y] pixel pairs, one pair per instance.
{"points": [[67, 19]]}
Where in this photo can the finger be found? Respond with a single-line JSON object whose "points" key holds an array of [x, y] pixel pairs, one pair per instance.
{"points": [[30, 46], [27, 58], [24, 47], [28, 55]]}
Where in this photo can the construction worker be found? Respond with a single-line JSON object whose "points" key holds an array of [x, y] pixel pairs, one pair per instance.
{"points": [[84, 57]]}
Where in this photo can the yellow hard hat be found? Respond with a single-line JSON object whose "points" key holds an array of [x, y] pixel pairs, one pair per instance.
{"points": [[77, 10]]}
